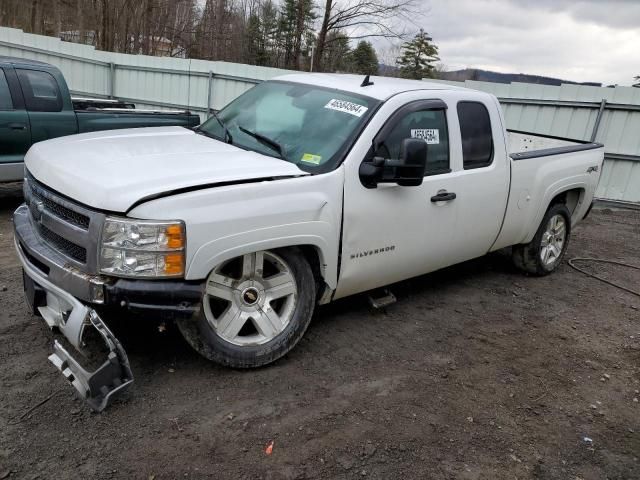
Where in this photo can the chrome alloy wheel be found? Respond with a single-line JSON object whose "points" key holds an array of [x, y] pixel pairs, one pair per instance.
{"points": [[553, 240], [250, 300]]}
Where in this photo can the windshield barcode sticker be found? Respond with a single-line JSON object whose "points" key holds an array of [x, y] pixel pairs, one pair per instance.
{"points": [[346, 107], [430, 135]]}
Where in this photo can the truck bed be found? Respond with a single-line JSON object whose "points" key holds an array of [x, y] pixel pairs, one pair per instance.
{"points": [[522, 145], [93, 120], [83, 103], [541, 167]]}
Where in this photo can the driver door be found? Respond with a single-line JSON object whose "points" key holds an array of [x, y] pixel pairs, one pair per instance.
{"points": [[393, 232], [15, 132]]}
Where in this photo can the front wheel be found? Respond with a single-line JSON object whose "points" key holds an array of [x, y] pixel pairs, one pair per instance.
{"points": [[255, 309], [544, 253]]}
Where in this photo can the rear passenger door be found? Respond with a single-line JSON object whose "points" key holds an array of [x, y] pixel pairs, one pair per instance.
{"points": [[15, 135], [482, 177], [50, 111]]}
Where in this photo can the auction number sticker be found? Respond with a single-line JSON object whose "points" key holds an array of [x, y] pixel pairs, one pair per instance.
{"points": [[346, 107], [430, 135]]}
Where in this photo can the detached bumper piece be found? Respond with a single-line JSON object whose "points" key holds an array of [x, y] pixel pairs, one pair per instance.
{"points": [[75, 320], [98, 388]]}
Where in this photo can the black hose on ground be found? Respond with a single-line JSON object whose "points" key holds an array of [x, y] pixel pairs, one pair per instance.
{"points": [[597, 277]]}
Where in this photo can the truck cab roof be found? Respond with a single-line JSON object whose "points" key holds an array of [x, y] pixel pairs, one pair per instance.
{"points": [[23, 61], [382, 88]]}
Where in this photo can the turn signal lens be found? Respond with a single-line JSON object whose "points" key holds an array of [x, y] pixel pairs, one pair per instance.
{"points": [[175, 237], [174, 264]]}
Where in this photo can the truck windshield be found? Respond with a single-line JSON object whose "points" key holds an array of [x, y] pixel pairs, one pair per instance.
{"points": [[303, 124]]}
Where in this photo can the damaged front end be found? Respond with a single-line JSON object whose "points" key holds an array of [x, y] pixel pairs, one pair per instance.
{"points": [[56, 242]]}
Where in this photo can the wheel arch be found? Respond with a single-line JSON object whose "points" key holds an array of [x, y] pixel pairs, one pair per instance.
{"points": [[570, 195], [314, 249], [571, 198]]}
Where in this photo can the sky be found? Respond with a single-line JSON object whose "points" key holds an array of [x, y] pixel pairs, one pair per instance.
{"points": [[582, 40]]}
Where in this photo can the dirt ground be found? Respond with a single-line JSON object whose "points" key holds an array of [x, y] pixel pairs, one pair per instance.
{"points": [[478, 372]]}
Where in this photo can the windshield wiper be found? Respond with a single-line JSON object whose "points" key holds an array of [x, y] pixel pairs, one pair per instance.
{"points": [[265, 141], [227, 135]]}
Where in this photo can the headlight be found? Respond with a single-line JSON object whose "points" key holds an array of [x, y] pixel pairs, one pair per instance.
{"points": [[141, 248]]}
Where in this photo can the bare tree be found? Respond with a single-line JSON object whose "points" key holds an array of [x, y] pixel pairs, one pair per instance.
{"points": [[363, 19], [274, 33]]}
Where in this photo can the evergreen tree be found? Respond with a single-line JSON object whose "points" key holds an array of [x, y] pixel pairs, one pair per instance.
{"points": [[336, 54], [255, 53], [418, 57], [363, 59], [296, 20], [270, 33]]}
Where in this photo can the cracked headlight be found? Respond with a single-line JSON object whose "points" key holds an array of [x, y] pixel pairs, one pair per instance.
{"points": [[141, 248]]}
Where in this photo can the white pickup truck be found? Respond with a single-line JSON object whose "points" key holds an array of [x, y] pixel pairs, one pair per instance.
{"points": [[305, 189]]}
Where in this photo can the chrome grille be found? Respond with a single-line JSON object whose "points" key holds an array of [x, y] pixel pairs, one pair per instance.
{"points": [[69, 228], [58, 210], [63, 245]]}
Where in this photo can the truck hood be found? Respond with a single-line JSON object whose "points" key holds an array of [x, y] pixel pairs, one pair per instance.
{"points": [[113, 170]]}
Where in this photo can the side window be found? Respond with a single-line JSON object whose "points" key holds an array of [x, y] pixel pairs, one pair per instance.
{"points": [[477, 139], [430, 125], [5, 95], [40, 90]]}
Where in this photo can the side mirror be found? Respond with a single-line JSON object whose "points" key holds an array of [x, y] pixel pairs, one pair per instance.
{"points": [[408, 171]]}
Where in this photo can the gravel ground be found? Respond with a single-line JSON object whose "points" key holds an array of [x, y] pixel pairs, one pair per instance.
{"points": [[478, 372]]}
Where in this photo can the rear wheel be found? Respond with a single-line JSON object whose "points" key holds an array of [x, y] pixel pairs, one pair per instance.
{"points": [[544, 253], [254, 310]]}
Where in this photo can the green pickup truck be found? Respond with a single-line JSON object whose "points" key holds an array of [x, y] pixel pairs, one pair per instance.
{"points": [[35, 105]]}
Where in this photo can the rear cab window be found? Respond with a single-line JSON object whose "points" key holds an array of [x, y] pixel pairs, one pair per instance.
{"points": [[6, 102], [477, 137], [40, 90]]}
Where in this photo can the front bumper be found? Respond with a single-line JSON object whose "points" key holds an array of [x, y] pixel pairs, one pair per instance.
{"points": [[163, 299]]}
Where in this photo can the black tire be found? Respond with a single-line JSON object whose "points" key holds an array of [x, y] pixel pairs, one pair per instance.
{"points": [[527, 257], [202, 337]]}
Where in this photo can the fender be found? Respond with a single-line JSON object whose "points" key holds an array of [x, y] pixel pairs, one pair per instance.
{"points": [[213, 253], [225, 222], [564, 185]]}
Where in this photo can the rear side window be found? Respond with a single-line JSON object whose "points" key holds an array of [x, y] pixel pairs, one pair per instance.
{"points": [[40, 90], [5, 95], [477, 139]]}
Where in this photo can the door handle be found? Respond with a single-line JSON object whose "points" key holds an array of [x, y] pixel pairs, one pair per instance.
{"points": [[17, 126], [443, 197]]}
